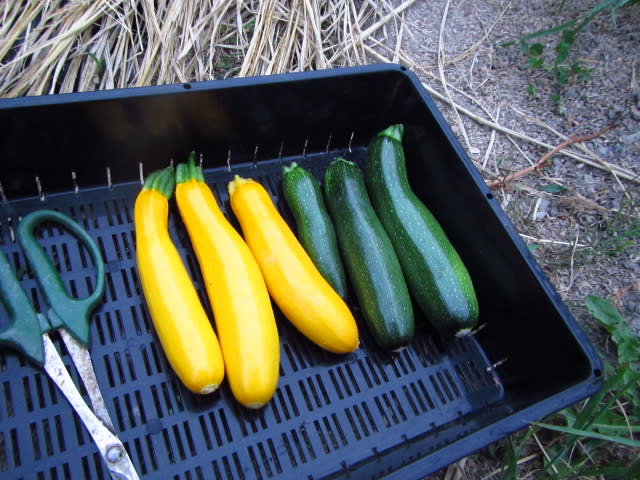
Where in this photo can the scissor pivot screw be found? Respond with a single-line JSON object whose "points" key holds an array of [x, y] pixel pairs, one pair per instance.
{"points": [[114, 453]]}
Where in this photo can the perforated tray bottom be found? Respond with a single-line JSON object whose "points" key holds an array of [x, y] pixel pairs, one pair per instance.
{"points": [[363, 414]]}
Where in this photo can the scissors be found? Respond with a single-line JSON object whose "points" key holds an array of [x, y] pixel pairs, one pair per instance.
{"points": [[28, 332]]}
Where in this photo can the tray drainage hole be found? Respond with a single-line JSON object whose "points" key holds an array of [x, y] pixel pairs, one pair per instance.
{"points": [[597, 372], [186, 86], [490, 196]]}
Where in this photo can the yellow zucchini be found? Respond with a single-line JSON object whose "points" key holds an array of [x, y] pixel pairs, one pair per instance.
{"points": [[182, 325], [241, 305], [293, 281]]}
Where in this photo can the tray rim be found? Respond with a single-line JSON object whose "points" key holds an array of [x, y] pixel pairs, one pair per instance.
{"points": [[480, 437], [199, 85]]}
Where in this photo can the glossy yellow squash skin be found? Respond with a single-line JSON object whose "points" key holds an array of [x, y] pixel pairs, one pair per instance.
{"points": [[181, 323], [293, 281], [241, 305]]}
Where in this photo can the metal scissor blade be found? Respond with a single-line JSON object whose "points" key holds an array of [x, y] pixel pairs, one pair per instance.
{"points": [[82, 361], [111, 448]]}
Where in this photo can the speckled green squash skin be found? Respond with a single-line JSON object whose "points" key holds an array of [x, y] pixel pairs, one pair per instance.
{"points": [[314, 226], [370, 260], [437, 278]]}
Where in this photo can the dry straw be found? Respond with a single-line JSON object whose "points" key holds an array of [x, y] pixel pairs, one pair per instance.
{"points": [[62, 46]]}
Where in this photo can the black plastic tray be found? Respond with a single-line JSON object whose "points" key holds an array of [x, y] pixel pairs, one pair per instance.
{"points": [[365, 415]]}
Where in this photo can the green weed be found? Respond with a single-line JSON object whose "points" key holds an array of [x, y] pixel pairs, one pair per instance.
{"points": [[100, 64], [553, 188], [615, 234], [590, 430], [627, 343], [586, 433], [560, 65]]}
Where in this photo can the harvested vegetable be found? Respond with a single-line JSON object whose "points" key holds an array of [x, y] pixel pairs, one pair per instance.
{"points": [[314, 226], [293, 281], [437, 278], [239, 298], [180, 321], [371, 262]]}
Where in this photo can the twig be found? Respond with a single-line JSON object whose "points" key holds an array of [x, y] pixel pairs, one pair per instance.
{"points": [[572, 277], [396, 55], [401, 8], [492, 139], [544, 451], [602, 165], [441, 61], [499, 183], [551, 242], [585, 149], [626, 417], [618, 294], [456, 470]]}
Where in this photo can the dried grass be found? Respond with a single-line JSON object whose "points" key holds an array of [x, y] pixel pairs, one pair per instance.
{"points": [[56, 47]]}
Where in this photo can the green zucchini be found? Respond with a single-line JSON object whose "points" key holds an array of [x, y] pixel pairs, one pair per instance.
{"points": [[437, 278], [314, 227], [370, 260]]}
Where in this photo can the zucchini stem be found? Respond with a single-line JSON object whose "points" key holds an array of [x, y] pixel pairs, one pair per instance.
{"points": [[290, 168], [189, 171], [394, 132], [236, 182], [162, 181]]}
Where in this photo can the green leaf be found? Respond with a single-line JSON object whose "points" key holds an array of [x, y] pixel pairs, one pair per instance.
{"points": [[623, 381], [569, 416], [603, 310], [536, 49], [583, 73], [100, 65], [562, 74], [627, 342], [628, 348], [553, 188], [562, 52], [617, 428], [627, 442], [510, 461], [548, 31], [596, 409], [535, 63], [576, 68], [532, 247], [613, 471], [532, 91], [569, 36]]}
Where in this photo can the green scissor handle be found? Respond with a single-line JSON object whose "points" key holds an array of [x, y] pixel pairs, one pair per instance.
{"points": [[65, 311], [24, 332]]}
